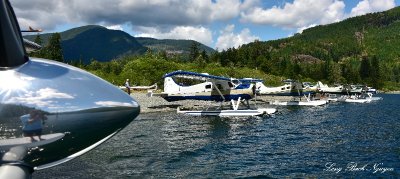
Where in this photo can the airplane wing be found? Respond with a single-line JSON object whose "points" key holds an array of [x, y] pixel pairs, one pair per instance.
{"points": [[194, 75], [30, 29], [31, 46], [250, 80]]}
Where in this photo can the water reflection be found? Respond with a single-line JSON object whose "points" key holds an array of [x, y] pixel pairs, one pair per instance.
{"points": [[60, 108], [32, 124]]}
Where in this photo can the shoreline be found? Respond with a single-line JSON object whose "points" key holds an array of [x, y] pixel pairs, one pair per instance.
{"points": [[158, 104], [390, 92]]}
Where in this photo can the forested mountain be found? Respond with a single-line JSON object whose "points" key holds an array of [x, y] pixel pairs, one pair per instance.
{"points": [[363, 49], [95, 42], [99, 43], [171, 45]]}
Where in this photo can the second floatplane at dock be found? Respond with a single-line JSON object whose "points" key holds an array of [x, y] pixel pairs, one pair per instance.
{"points": [[185, 85]]}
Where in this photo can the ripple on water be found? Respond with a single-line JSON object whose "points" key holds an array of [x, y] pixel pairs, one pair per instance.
{"points": [[296, 142]]}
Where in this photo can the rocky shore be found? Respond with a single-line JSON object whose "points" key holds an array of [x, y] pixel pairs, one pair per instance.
{"points": [[158, 104]]}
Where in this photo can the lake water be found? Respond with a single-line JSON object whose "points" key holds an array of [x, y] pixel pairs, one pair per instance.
{"points": [[338, 140]]}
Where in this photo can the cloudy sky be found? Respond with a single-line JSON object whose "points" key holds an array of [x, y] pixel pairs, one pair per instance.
{"points": [[220, 24]]}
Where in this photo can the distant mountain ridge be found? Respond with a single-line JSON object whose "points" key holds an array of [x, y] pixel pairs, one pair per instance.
{"points": [[102, 44], [171, 45]]}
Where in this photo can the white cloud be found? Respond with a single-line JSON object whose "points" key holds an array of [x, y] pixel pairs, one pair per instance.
{"points": [[200, 34], [225, 9], [301, 29], [334, 13], [249, 4], [187, 19], [298, 14], [41, 14], [48, 14], [228, 38], [368, 6], [115, 27], [44, 97]]}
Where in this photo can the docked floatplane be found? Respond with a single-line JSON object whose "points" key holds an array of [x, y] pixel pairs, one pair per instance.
{"points": [[349, 93], [185, 85], [363, 98], [291, 88], [343, 89]]}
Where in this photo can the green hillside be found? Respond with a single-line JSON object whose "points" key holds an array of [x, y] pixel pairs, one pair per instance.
{"points": [[363, 49], [95, 42], [171, 45], [66, 35], [99, 43]]}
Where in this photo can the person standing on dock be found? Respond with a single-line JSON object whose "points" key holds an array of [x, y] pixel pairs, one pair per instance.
{"points": [[128, 88]]}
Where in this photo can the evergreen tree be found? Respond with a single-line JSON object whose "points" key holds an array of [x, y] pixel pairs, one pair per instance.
{"points": [[53, 50], [334, 72], [38, 53], [375, 73], [365, 68], [38, 40], [194, 51], [205, 56]]}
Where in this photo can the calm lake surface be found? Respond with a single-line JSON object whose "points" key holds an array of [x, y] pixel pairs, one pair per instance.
{"points": [[338, 140]]}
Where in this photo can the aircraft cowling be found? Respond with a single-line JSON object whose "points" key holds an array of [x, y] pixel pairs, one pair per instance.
{"points": [[81, 107]]}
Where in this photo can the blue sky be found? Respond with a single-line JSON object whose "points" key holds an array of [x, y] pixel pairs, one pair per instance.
{"points": [[220, 24]]}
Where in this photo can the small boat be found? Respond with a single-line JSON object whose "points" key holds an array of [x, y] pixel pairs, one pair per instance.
{"points": [[353, 99], [332, 98], [363, 98]]}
